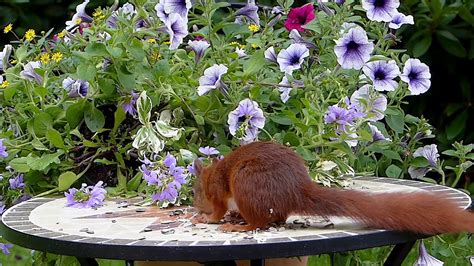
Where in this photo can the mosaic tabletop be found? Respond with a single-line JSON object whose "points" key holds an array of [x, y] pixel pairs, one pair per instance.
{"points": [[122, 229]]}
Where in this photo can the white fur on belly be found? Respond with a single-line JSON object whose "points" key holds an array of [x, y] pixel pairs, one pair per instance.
{"points": [[231, 205]]}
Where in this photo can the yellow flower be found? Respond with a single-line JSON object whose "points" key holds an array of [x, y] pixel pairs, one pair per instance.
{"points": [[152, 40], [234, 43], [8, 28], [13, 61], [56, 57], [62, 34], [98, 14], [254, 28], [242, 46], [167, 42], [45, 58], [155, 56], [4, 84], [30, 35], [254, 46], [78, 21]]}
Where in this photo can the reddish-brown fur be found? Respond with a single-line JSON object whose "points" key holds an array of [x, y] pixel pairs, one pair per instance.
{"points": [[269, 182]]}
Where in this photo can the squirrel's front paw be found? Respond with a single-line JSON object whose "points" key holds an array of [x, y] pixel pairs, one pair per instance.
{"points": [[204, 219]]}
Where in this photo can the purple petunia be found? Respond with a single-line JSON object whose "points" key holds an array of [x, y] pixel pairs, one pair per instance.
{"points": [[17, 182], [211, 79], [199, 47], [180, 7], [295, 36], [400, 19], [424, 258], [3, 149], [430, 152], [29, 72], [208, 151], [76, 88], [292, 57], [245, 120], [128, 10], [417, 75], [380, 10], [79, 15], [3, 208], [353, 49], [382, 73], [369, 102], [249, 11], [287, 87], [86, 197], [177, 28], [5, 247], [129, 105], [342, 117], [4, 56], [270, 54], [377, 134]]}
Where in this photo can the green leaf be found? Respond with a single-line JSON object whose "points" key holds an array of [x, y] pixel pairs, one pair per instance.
{"points": [[96, 49], [199, 120], [144, 106], [42, 123], [126, 78], [393, 171], [44, 161], [392, 155], [162, 69], [282, 120], [395, 120], [55, 138], [133, 183], [451, 43], [452, 153], [457, 125], [75, 114], [419, 162], [114, 51], [65, 180], [136, 50], [119, 117], [20, 165], [122, 180], [86, 72], [93, 117], [107, 86], [422, 45], [254, 63]]}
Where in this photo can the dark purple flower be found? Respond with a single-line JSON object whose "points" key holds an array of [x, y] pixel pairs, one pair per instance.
{"points": [[129, 105], [430, 152], [380, 10], [377, 134], [76, 88], [79, 16], [369, 102], [249, 11], [270, 54], [245, 120], [299, 16], [417, 75], [199, 47], [342, 117], [208, 151], [3, 149], [382, 74], [211, 79], [17, 182], [292, 57], [353, 49], [177, 28], [29, 72], [86, 197], [400, 19], [340, 2], [5, 248]]}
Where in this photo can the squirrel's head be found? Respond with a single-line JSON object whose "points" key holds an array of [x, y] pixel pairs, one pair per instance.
{"points": [[201, 198]]}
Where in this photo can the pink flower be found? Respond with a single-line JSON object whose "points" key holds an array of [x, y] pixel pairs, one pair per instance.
{"points": [[299, 16]]}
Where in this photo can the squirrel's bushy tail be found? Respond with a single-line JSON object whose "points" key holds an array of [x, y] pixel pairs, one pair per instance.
{"points": [[420, 212]]}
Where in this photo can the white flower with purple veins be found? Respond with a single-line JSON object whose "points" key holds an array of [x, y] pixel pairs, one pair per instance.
{"points": [[4, 56], [382, 74], [249, 11], [240, 52], [177, 28], [3, 149], [29, 72], [180, 7], [128, 10], [286, 87], [430, 152], [369, 102], [380, 10], [76, 88], [400, 19], [208, 151], [86, 197], [211, 79], [160, 11], [425, 259], [2, 208], [199, 47], [292, 57], [296, 37], [377, 134], [80, 15], [270, 54], [245, 121], [353, 49], [417, 75]]}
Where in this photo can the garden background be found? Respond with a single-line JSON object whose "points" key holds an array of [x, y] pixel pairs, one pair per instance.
{"points": [[442, 37]]}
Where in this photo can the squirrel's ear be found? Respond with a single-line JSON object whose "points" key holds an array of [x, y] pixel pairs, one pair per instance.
{"points": [[198, 166]]}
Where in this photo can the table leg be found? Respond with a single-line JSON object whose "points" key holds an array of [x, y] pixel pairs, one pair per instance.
{"points": [[399, 253], [257, 262], [87, 261]]}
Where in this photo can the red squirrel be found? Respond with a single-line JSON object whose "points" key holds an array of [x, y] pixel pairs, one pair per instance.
{"points": [[267, 182]]}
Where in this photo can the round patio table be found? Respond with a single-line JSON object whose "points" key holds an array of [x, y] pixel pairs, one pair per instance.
{"points": [[123, 230]]}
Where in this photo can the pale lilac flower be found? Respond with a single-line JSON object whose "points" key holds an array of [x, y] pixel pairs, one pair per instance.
{"points": [[292, 57], [270, 54], [79, 15], [128, 10], [382, 74], [380, 10], [245, 120], [180, 7], [177, 28], [430, 152], [5, 248], [208, 151], [371, 103], [400, 19], [3, 149], [76, 88], [29, 72], [249, 11], [277, 10], [199, 47], [2, 208], [417, 75], [343, 118], [160, 11], [17, 182], [346, 26], [286, 89], [425, 259], [353, 49], [86, 197], [240, 52], [377, 134], [129, 105], [296, 37], [4, 56], [211, 79]]}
